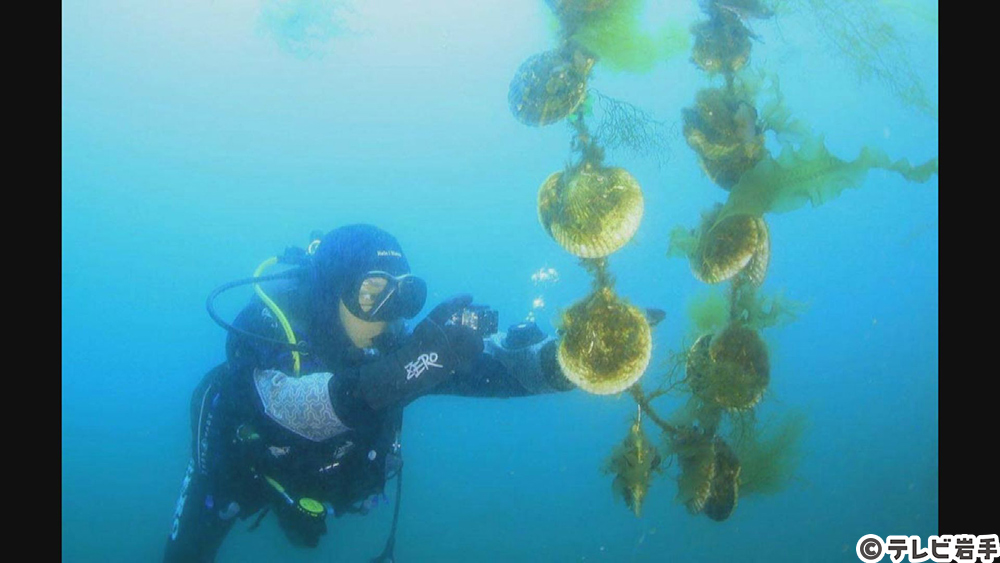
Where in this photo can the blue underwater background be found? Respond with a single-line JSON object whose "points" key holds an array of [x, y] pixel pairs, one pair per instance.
{"points": [[200, 138]]}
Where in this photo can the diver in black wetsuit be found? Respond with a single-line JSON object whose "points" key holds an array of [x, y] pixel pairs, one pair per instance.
{"points": [[304, 417]]}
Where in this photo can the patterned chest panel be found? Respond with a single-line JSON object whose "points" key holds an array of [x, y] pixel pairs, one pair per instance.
{"points": [[299, 404]]}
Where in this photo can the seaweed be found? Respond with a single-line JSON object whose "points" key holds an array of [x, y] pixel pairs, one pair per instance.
{"points": [[811, 174], [770, 457], [762, 311], [859, 31], [709, 313], [633, 462], [697, 412], [683, 242], [616, 36], [626, 127]]}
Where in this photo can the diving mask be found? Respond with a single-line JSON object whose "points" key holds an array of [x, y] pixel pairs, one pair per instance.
{"points": [[381, 296]]}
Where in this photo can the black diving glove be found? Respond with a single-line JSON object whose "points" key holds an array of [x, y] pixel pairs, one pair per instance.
{"points": [[435, 351]]}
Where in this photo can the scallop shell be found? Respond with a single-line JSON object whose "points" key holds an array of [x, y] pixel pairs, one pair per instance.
{"points": [[725, 248], [756, 269], [740, 369], [725, 492], [549, 86], [592, 213], [696, 458], [606, 344]]}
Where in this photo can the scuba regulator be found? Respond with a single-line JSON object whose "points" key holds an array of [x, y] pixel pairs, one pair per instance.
{"points": [[293, 256]]}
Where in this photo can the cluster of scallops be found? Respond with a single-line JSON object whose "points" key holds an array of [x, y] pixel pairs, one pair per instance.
{"points": [[592, 210], [589, 209], [728, 371]]}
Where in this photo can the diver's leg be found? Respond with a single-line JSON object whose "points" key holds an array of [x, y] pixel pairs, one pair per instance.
{"points": [[199, 526], [202, 518]]}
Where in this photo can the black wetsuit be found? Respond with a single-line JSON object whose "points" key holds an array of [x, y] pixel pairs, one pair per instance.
{"points": [[239, 449]]}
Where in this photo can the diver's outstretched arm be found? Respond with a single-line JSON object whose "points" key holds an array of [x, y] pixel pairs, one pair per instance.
{"points": [[517, 363]]}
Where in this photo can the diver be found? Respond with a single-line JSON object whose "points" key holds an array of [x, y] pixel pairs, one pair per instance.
{"points": [[303, 419]]}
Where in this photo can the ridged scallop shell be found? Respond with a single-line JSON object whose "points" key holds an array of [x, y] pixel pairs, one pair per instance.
{"points": [[740, 369], [606, 344], [725, 492], [723, 129], [725, 248], [756, 269], [549, 86], [696, 457], [593, 213], [722, 44]]}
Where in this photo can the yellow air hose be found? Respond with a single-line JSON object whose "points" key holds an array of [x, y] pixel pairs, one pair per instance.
{"points": [[289, 333]]}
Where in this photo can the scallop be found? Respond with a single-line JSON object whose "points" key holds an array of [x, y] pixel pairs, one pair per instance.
{"points": [[725, 490], [606, 343], [591, 211], [725, 247], [549, 86], [756, 268], [696, 457], [740, 369]]}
